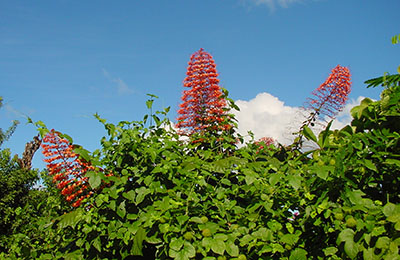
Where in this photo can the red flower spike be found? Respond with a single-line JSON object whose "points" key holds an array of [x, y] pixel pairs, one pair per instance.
{"points": [[67, 169], [203, 106], [330, 98]]}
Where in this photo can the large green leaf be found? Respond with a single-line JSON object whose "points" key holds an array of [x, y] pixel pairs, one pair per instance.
{"points": [[231, 248], [309, 134], [295, 181], [218, 246], [94, 179], [138, 239], [130, 195], [185, 251], [350, 247], [298, 254], [70, 219]]}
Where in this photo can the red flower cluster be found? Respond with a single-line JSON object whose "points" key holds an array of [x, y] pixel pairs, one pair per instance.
{"points": [[330, 97], [264, 142], [67, 169], [203, 105]]}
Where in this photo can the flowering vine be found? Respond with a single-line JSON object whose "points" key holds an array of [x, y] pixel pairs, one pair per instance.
{"points": [[204, 106], [67, 169]]}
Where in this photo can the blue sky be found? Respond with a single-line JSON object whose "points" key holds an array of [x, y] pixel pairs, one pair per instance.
{"points": [[62, 61]]}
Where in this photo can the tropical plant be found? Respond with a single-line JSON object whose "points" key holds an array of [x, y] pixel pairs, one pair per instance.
{"points": [[66, 167], [327, 100], [168, 199], [203, 105]]}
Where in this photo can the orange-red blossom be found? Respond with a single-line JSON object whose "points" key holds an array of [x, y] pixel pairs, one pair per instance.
{"points": [[67, 169], [331, 96], [203, 106]]}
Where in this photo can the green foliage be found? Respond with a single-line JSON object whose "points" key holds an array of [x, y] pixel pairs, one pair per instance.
{"points": [[168, 198], [24, 210], [14, 186], [160, 197]]}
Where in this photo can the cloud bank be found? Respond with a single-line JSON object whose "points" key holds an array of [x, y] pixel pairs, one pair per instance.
{"points": [[267, 116]]}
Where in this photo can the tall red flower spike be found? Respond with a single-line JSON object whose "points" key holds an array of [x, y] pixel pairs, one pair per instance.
{"points": [[67, 169], [330, 98], [203, 105]]}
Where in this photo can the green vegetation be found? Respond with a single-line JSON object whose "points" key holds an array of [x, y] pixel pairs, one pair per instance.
{"points": [[158, 197]]}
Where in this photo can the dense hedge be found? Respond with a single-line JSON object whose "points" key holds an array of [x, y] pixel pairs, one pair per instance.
{"points": [[169, 198]]}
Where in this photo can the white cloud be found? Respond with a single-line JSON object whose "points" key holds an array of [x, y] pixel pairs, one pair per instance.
{"points": [[122, 87], [273, 3], [267, 116], [344, 117]]}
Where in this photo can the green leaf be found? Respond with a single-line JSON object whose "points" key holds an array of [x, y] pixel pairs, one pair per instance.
{"points": [[206, 242], [140, 194], [390, 209], [70, 219], [231, 248], [182, 219], [196, 220], [393, 162], [97, 244], [351, 249], [308, 133], [382, 242], [330, 251], [112, 205], [218, 246], [188, 251], [323, 140], [137, 246], [121, 211], [274, 225], [397, 226], [295, 181], [322, 171], [298, 254], [290, 239], [394, 218], [149, 103], [368, 254], [345, 235], [176, 244], [357, 111], [370, 165], [41, 124], [250, 176], [94, 179], [152, 95], [263, 234], [275, 177], [130, 195], [355, 196], [377, 231], [82, 153]]}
